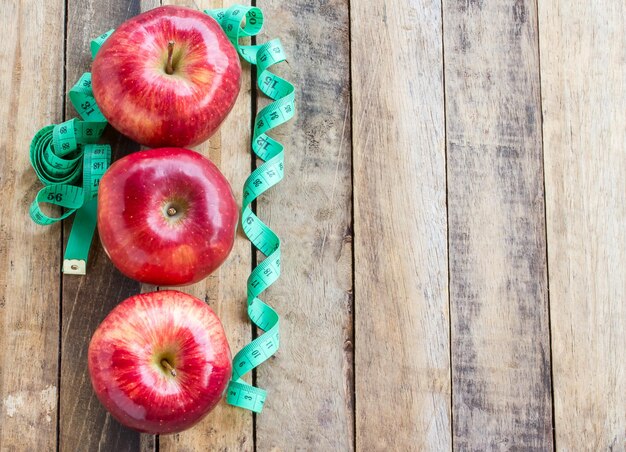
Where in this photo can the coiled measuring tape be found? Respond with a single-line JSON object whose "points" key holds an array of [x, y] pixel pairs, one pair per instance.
{"points": [[61, 156], [267, 175]]}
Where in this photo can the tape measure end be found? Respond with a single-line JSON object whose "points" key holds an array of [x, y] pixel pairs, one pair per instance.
{"points": [[74, 267]]}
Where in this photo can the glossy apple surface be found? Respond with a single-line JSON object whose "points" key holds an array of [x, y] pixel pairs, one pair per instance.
{"points": [[160, 361], [138, 96], [166, 216]]}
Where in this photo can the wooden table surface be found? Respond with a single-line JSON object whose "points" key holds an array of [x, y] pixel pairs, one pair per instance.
{"points": [[453, 221]]}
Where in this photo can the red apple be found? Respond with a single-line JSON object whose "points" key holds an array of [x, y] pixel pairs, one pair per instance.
{"points": [[160, 361], [166, 216], [167, 77]]}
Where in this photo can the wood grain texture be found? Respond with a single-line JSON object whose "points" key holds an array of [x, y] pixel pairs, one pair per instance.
{"points": [[498, 298], [226, 428], [401, 293], [31, 84], [309, 381], [84, 423], [583, 73]]}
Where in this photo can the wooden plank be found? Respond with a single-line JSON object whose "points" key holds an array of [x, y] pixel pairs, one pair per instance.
{"points": [[401, 293], [84, 423], [32, 85], [583, 74], [498, 298], [309, 381], [226, 428]]}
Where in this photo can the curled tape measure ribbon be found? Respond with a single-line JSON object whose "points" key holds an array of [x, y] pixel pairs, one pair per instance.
{"points": [[267, 175], [64, 154]]}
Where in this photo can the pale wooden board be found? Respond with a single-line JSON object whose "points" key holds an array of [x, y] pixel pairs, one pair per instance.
{"points": [[583, 74], [84, 423], [31, 84], [498, 297], [309, 381], [401, 285], [226, 428]]}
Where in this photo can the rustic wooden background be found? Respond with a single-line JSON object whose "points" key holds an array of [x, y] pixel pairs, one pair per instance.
{"points": [[453, 221]]}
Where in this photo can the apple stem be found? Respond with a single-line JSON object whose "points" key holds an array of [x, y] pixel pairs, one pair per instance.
{"points": [[171, 211], [165, 363], [169, 69]]}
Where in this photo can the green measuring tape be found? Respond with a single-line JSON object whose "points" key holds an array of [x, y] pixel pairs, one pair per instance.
{"points": [[267, 175], [59, 151], [63, 155]]}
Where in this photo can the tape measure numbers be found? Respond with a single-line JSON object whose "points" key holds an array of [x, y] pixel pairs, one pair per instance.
{"points": [[65, 154], [237, 22]]}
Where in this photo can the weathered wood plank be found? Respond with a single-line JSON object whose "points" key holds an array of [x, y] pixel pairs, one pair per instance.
{"points": [[498, 298], [309, 381], [583, 74], [226, 428], [401, 292], [84, 423], [32, 85]]}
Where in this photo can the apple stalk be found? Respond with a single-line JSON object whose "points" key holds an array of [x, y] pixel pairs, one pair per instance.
{"points": [[165, 363], [169, 68]]}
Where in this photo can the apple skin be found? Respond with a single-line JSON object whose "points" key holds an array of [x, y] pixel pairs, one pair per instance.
{"points": [[125, 361], [136, 229], [142, 101]]}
